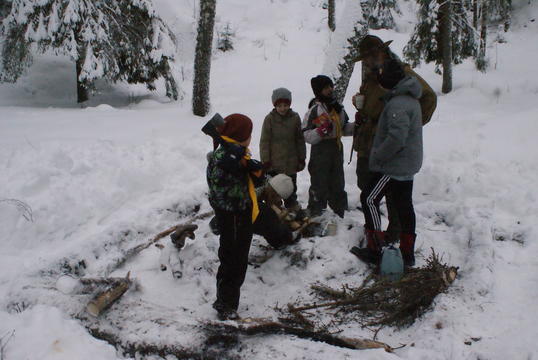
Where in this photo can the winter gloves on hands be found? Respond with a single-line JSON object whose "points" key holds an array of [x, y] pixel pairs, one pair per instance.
{"points": [[325, 129], [358, 101]]}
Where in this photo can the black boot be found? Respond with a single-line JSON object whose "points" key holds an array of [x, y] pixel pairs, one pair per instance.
{"points": [[371, 254]]}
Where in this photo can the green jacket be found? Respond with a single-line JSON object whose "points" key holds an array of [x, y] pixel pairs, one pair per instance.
{"points": [[228, 182], [282, 142], [373, 106]]}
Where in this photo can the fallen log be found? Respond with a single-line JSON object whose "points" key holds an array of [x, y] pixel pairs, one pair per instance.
{"points": [[253, 326], [104, 299]]}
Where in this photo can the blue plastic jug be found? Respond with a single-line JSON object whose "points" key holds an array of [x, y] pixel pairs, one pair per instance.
{"points": [[392, 263]]}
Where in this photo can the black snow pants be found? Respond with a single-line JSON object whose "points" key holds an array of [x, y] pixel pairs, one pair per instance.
{"points": [[235, 238], [326, 168], [402, 196]]}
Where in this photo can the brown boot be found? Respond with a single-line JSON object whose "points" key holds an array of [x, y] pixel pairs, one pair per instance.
{"points": [[407, 247], [371, 254]]}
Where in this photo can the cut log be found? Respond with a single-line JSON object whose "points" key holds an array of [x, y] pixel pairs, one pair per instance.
{"points": [[105, 299], [295, 225]]}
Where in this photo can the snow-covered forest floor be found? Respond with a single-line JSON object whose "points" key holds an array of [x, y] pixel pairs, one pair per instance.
{"points": [[107, 177]]}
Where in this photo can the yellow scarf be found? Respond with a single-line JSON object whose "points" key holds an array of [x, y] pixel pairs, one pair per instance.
{"points": [[251, 190]]}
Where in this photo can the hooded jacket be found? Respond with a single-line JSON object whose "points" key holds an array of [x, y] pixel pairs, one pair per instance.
{"points": [[373, 106], [282, 142], [397, 149]]}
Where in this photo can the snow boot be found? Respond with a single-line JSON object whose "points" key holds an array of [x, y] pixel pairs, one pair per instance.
{"points": [[407, 247], [371, 254], [225, 313]]}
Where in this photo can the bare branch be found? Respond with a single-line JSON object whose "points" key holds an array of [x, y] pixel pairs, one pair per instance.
{"points": [[24, 208]]}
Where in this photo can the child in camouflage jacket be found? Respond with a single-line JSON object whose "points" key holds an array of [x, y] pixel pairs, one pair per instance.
{"points": [[231, 176]]}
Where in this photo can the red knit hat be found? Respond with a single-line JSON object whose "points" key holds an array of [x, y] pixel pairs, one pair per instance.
{"points": [[237, 127]]}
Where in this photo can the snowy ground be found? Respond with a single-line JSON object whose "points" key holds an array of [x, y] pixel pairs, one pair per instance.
{"points": [[132, 164]]}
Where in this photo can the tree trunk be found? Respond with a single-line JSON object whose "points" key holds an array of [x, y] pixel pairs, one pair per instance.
{"points": [[82, 90], [202, 60], [331, 9], [481, 63], [475, 14], [445, 27]]}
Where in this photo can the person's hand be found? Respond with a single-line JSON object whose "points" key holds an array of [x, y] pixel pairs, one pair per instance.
{"points": [[301, 165], [254, 165], [236, 151], [358, 101], [325, 129], [360, 118]]}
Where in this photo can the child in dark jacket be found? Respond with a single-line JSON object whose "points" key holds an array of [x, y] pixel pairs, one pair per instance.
{"points": [[323, 126], [231, 176]]}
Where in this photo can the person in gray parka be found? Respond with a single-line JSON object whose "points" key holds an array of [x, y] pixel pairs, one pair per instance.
{"points": [[395, 158]]}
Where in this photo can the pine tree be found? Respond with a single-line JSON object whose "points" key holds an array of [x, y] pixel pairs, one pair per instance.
{"points": [[501, 10], [380, 13], [486, 13], [444, 35], [202, 59], [224, 42], [115, 40]]}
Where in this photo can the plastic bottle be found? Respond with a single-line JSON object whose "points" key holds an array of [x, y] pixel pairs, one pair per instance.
{"points": [[392, 263]]}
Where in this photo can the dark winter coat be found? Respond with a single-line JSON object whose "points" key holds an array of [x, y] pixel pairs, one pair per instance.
{"points": [[373, 106], [397, 148], [282, 142], [228, 182]]}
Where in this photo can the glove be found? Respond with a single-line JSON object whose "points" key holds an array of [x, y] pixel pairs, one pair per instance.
{"points": [[301, 165], [358, 101], [254, 165], [236, 151], [360, 119], [231, 161], [325, 129]]}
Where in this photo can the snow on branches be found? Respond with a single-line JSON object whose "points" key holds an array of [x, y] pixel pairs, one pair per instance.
{"points": [[118, 40]]}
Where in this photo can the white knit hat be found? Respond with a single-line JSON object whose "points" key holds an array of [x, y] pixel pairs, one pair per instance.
{"points": [[282, 184]]}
